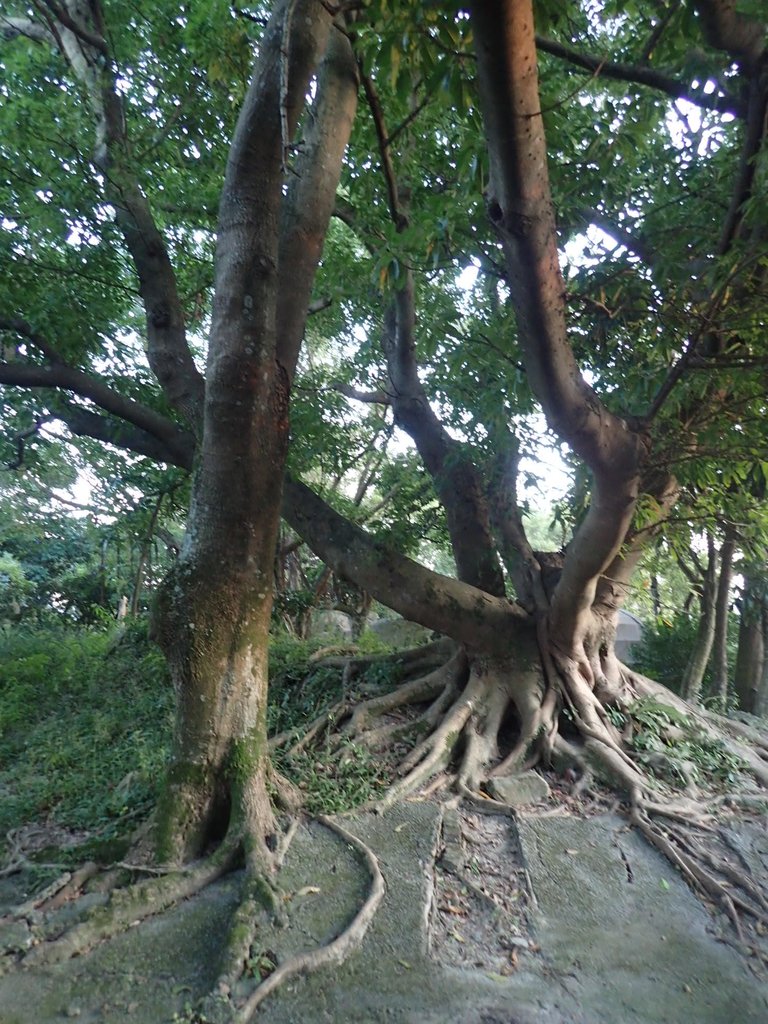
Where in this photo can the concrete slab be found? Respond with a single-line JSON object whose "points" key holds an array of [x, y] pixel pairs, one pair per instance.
{"points": [[621, 928], [621, 940]]}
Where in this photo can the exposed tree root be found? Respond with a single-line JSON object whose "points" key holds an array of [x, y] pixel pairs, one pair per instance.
{"points": [[486, 720], [336, 951], [416, 691], [120, 909], [690, 859], [442, 662], [126, 907], [479, 721]]}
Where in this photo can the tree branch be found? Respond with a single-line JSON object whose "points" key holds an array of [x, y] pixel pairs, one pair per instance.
{"points": [[658, 31], [457, 609], [517, 553], [62, 377], [728, 30], [168, 352], [448, 462], [663, 489], [11, 28], [16, 325], [754, 137], [399, 218], [244, 319], [635, 243], [520, 207], [723, 102], [311, 197], [85, 423], [371, 397], [22, 436], [63, 16]]}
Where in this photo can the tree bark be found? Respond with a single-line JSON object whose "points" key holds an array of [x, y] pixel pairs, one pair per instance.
{"points": [[750, 658], [214, 615], [448, 462], [520, 207], [693, 677], [761, 697], [719, 687]]}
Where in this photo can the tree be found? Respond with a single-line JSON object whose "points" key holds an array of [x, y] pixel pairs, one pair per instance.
{"points": [[641, 359], [750, 670], [214, 614]]}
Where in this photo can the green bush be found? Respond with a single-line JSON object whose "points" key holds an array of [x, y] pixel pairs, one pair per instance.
{"points": [[86, 722], [692, 755], [664, 650]]}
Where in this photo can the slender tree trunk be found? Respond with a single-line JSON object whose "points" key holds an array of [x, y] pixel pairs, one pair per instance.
{"points": [[761, 697], [655, 596], [719, 686], [693, 677], [750, 658], [144, 559]]}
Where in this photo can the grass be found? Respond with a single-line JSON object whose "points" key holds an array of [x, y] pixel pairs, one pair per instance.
{"points": [[85, 725], [85, 732]]}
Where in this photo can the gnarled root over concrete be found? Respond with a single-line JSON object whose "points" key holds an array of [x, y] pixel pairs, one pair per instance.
{"points": [[125, 906], [477, 720]]}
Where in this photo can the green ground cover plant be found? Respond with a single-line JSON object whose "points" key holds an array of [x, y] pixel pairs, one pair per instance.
{"points": [[86, 716], [85, 720]]}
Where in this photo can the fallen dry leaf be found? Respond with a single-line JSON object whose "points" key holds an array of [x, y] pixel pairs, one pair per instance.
{"points": [[308, 890]]}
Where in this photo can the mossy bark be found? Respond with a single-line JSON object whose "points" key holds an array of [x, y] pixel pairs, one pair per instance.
{"points": [[214, 613], [213, 623]]}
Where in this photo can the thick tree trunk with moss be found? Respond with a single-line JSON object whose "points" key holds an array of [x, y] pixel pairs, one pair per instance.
{"points": [[275, 206], [213, 623], [214, 616]]}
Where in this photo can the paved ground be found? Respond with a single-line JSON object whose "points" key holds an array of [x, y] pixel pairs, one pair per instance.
{"points": [[606, 932]]}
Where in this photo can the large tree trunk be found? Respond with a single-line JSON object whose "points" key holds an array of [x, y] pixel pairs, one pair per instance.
{"points": [[214, 617], [555, 648], [214, 626]]}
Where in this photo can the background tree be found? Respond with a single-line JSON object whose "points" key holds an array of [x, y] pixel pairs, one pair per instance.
{"points": [[750, 671]]}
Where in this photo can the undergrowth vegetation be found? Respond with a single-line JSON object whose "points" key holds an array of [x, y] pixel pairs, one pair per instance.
{"points": [[301, 689], [85, 719], [688, 755], [85, 726]]}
